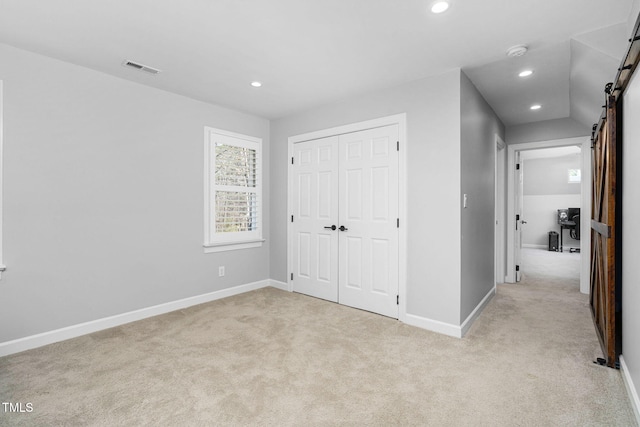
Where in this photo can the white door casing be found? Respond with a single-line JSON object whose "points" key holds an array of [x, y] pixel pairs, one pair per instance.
{"points": [[519, 187], [499, 209]]}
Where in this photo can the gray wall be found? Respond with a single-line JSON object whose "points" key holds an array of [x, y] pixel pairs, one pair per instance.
{"points": [[631, 233], [550, 175], [103, 193], [541, 212], [432, 106], [546, 189], [633, 16], [479, 126], [546, 130]]}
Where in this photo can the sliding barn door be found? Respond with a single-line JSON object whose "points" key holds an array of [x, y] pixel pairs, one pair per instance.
{"points": [[315, 218], [605, 284]]}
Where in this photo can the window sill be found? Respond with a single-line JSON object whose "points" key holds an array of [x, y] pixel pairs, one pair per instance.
{"points": [[232, 246]]}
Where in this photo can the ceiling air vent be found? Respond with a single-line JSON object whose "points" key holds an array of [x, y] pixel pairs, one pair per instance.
{"points": [[515, 51], [141, 67]]}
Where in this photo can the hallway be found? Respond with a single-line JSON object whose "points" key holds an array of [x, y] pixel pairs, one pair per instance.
{"points": [[547, 324]]}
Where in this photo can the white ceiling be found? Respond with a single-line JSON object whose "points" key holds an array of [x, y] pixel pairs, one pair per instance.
{"points": [[313, 52], [512, 96]]}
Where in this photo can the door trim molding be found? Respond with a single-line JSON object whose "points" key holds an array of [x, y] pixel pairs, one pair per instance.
{"points": [[397, 119], [585, 244], [499, 210]]}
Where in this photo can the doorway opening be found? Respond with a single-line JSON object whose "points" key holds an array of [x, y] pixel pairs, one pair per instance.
{"points": [[532, 215]]}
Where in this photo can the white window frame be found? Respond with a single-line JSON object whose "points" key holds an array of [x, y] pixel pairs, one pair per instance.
{"points": [[571, 181], [218, 242]]}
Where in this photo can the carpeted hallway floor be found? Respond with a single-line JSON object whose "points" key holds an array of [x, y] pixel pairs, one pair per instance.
{"points": [[270, 357]]}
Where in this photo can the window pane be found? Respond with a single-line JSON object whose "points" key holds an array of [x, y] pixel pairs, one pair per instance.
{"points": [[574, 176], [236, 211], [235, 166]]}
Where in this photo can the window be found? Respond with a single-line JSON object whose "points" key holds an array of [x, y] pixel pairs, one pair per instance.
{"points": [[574, 176], [233, 208]]}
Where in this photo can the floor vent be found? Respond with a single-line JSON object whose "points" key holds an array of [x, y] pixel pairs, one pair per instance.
{"points": [[141, 67]]}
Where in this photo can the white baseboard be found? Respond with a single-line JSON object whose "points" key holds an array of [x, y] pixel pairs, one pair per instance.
{"points": [[476, 312], [631, 389], [448, 328], [50, 337], [532, 246], [279, 285], [38, 340], [433, 325]]}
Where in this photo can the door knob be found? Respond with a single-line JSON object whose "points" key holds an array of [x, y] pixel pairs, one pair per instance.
{"points": [[333, 227], [524, 222], [343, 228]]}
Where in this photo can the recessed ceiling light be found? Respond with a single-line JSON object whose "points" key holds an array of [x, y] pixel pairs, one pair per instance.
{"points": [[536, 106], [439, 6], [525, 73], [256, 84]]}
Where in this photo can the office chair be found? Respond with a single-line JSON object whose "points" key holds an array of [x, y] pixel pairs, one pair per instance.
{"points": [[575, 232]]}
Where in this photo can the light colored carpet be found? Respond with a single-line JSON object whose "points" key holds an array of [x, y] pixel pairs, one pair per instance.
{"points": [[275, 358]]}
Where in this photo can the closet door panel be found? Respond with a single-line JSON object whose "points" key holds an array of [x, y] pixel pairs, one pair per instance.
{"points": [[315, 207], [368, 211]]}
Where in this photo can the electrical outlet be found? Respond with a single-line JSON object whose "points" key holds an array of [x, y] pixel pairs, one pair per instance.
{"points": [[221, 271]]}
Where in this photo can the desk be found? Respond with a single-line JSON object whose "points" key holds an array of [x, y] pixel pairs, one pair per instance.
{"points": [[569, 225]]}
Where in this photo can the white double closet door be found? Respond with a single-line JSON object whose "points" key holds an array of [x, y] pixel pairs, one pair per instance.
{"points": [[345, 219]]}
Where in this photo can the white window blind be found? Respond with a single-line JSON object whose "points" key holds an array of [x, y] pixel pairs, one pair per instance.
{"points": [[233, 211]]}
